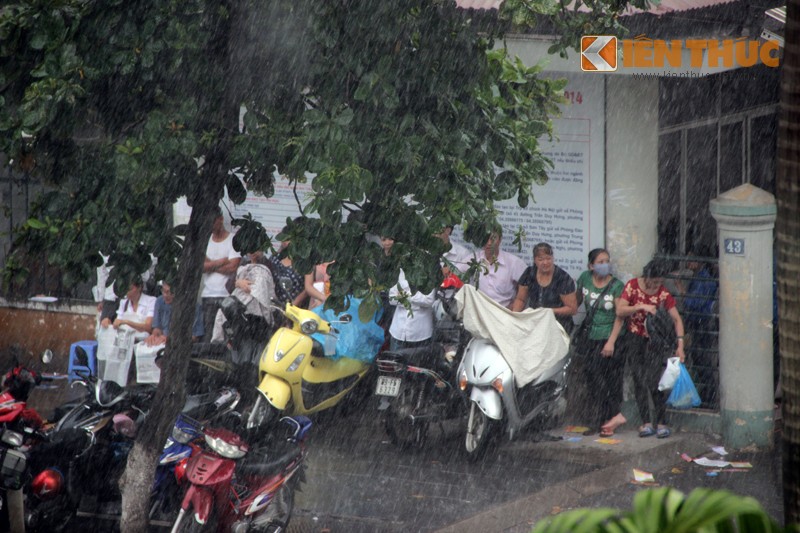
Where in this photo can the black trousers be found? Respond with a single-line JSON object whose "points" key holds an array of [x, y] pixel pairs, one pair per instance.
{"points": [[647, 362], [603, 381]]}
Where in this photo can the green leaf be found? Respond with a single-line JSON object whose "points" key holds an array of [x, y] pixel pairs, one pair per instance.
{"points": [[236, 191], [369, 306], [36, 224]]}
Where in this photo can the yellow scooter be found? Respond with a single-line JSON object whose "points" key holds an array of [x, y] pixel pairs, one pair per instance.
{"points": [[296, 377]]}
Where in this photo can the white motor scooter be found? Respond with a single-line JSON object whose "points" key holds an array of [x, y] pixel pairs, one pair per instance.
{"points": [[497, 404]]}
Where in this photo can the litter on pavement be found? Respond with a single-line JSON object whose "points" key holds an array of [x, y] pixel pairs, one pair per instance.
{"points": [[711, 463], [640, 476]]}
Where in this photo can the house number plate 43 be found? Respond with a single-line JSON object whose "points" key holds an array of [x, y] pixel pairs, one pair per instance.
{"points": [[734, 246]]}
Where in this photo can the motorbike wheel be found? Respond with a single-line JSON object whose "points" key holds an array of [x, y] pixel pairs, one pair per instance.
{"points": [[185, 523], [404, 432], [482, 433], [262, 414]]}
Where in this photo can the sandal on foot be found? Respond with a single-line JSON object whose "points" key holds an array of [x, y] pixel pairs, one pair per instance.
{"points": [[612, 425], [606, 432], [647, 431], [663, 433]]}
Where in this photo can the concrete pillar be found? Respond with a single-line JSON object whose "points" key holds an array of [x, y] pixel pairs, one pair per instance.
{"points": [[745, 219]]}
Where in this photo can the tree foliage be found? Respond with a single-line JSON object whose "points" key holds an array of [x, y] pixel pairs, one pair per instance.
{"points": [[402, 113]]}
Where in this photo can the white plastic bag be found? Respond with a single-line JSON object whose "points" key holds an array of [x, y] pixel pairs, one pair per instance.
{"points": [[670, 374]]}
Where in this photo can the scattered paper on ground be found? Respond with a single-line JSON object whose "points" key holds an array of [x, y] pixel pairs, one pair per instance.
{"points": [[606, 440], [573, 439], [640, 476], [711, 463], [719, 449], [712, 473], [686, 457], [676, 471], [742, 465], [575, 429]]}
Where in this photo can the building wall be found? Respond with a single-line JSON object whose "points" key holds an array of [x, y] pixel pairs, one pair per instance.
{"points": [[631, 172], [35, 328]]}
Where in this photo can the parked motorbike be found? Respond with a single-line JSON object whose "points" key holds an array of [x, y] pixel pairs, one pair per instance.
{"points": [[497, 405], [296, 377], [20, 428], [79, 467], [417, 386], [233, 487]]}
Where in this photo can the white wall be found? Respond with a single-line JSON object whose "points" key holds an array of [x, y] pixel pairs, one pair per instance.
{"points": [[631, 172]]}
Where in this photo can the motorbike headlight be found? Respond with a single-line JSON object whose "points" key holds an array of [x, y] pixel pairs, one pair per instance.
{"points": [[183, 434], [309, 327], [12, 438], [225, 449]]}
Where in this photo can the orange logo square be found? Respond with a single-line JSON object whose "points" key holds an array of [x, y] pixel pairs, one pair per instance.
{"points": [[598, 53]]}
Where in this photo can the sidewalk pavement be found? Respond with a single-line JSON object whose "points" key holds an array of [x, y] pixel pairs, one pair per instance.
{"points": [[613, 485]]}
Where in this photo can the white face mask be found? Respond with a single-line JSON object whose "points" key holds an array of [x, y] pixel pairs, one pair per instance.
{"points": [[602, 269]]}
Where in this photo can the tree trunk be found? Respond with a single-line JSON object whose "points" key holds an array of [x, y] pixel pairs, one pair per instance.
{"points": [[788, 231], [137, 481]]}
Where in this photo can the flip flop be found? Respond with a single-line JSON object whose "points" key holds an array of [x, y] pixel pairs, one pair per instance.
{"points": [[647, 431], [663, 433], [606, 433]]}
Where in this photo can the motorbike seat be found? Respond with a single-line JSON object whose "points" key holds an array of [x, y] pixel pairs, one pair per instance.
{"points": [[268, 460], [418, 355]]}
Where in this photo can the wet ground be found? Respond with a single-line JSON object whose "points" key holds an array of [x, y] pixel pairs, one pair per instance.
{"points": [[358, 481]]}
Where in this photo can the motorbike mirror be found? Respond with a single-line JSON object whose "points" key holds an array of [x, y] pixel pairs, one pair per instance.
{"points": [[345, 319], [81, 357], [47, 356]]}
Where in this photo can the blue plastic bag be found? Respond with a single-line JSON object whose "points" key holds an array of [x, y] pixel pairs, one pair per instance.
{"points": [[684, 394], [357, 340]]}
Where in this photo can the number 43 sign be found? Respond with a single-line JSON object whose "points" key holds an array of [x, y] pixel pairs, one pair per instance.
{"points": [[734, 246]]}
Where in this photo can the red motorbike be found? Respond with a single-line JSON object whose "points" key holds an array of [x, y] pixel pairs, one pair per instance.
{"points": [[19, 429], [233, 487]]}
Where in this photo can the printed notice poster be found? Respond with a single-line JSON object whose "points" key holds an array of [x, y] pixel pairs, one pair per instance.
{"points": [[567, 212], [273, 212], [569, 209]]}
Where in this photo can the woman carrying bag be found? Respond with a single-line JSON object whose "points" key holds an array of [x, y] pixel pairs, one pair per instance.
{"points": [[647, 354], [594, 342]]}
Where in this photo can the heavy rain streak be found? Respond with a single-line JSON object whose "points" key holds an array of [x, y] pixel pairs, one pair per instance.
{"points": [[423, 265]]}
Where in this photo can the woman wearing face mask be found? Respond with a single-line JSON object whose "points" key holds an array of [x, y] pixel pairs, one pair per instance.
{"points": [[603, 366], [647, 357]]}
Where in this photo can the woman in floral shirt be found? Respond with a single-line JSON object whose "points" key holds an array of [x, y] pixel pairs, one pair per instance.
{"points": [[642, 297]]}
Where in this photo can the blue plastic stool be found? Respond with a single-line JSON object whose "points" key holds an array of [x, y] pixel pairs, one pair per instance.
{"points": [[91, 350]]}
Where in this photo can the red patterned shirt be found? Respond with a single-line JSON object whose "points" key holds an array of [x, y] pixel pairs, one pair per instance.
{"points": [[633, 294]]}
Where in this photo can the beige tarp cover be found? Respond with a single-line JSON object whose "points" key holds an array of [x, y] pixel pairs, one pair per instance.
{"points": [[531, 341]]}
